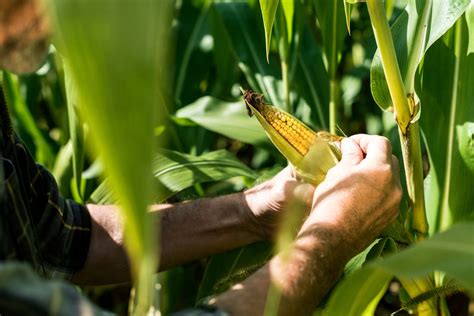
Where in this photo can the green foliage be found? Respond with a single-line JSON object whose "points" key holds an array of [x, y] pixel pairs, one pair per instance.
{"points": [[410, 37], [132, 97], [227, 118], [451, 252], [269, 8], [174, 172], [447, 121], [331, 19]]}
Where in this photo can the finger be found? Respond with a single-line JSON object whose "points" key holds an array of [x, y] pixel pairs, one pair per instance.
{"points": [[285, 173], [377, 149], [351, 153]]}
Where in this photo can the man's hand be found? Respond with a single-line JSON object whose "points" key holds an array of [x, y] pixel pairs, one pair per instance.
{"points": [[356, 201], [361, 194], [268, 201]]}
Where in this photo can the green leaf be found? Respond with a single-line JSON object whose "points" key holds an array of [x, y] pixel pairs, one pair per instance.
{"points": [[268, 8], [441, 16], [115, 52], [191, 44], [451, 252], [43, 151], [244, 33], [446, 120], [76, 132], [311, 80], [352, 296], [288, 11], [63, 170], [331, 17], [347, 13], [226, 118], [174, 171], [225, 269], [470, 26]]}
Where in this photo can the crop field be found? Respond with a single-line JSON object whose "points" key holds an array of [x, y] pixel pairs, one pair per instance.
{"points": [[138, 103]]}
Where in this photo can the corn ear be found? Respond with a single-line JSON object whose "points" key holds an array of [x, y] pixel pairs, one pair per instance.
{"points": [[310, 153]]}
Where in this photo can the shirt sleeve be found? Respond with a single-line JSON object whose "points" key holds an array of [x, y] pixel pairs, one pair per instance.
{"points": [[47, 230]]}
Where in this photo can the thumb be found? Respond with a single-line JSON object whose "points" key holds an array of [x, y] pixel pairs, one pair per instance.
{"points": [[352, 154]]}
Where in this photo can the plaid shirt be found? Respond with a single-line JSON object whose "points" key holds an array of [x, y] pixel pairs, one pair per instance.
{"points": [[42, 235]]}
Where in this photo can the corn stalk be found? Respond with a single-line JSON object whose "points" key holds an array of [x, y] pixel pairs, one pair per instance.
{"points": [[406, 111]]}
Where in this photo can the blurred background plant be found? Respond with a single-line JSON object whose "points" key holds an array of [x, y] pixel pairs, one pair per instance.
{"points": [[197, 140]]}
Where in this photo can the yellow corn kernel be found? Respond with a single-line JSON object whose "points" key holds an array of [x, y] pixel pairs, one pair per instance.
{"points": [[295, 132], [310, 153]]}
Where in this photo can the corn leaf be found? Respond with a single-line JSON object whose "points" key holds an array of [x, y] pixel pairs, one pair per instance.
{"points": [[184, 73], [470, 26], [288, 10], [441, 17], [76, 132], [268, 8], [226, 118], [451, 252], [225, 269], [332, 20], [447, 121], [311, 79], [43, 151], [174, 171], [352, 296], [116, 67], [244, 33]]}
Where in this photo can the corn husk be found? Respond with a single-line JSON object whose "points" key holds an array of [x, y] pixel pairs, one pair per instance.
{"points": [[310, 153]]}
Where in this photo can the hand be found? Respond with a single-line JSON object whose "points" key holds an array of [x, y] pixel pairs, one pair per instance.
{"points": [[360, 196], [267, 202]]}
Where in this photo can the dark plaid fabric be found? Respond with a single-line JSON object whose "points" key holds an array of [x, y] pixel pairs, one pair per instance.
{"points": [[37, 224]]}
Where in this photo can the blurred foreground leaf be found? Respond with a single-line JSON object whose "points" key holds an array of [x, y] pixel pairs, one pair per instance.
{"points": [[451, 252], [115, 51]]}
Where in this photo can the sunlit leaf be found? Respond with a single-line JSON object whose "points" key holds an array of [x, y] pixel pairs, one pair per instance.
{"points": [[451, 252], [441, 17], [470, 26], [446, 120], [288, 10], [355, 294], [43, 151], [174, 172], [226, 118], [268, 9], [76, 132], [116, 66]]}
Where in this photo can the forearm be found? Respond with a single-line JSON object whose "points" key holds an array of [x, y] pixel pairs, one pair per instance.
{"points": [[189, 231], [302, 276]]}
